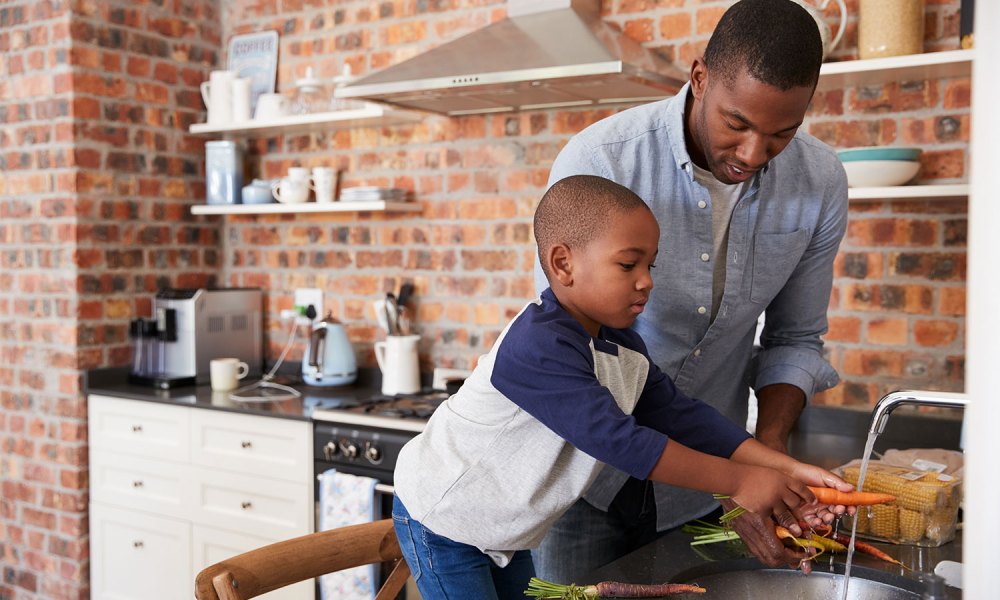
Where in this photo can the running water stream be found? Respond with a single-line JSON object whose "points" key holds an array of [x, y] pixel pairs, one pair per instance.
{"points": [[869, 445]]}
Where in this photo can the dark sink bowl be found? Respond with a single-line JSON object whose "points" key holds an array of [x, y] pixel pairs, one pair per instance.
{"points": [[745, 579]]}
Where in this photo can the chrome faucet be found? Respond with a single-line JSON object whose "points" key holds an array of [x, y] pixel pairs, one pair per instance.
{"points": [[892, 400]]}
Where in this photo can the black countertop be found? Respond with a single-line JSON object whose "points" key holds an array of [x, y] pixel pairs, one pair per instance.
{"points": [[114, 382]]}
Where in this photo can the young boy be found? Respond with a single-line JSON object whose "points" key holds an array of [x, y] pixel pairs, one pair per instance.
{"points": [[566, 389]]}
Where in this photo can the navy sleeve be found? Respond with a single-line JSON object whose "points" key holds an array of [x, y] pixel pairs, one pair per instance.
{"points": [[548, 371], [688, 420]]}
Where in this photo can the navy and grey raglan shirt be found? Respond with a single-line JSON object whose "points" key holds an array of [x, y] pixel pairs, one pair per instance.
{"points": [[531, 428]]}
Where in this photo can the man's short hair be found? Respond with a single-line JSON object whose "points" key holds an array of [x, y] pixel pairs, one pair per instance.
{"points": [[775, 41], [576, 209]]}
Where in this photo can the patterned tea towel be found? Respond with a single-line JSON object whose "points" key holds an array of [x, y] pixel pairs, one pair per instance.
{"points": [[347, 500]]}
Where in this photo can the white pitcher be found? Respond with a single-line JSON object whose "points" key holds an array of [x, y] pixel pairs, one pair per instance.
{"points": [[397, 357], [217, 93]]}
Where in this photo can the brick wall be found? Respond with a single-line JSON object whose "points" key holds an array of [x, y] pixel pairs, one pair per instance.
{"points": [[897, 312], [97, 174]]}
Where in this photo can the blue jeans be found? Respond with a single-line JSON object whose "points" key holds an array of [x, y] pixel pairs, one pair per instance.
{"points": [[447, 570], [586, 538]]}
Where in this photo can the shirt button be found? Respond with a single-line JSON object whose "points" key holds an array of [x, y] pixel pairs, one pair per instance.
{"points": [[704, 257], [702, 310], [697, 352], [702, 204]]}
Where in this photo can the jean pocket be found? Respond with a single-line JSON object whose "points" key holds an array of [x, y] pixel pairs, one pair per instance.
{"points": [[404, 535]]}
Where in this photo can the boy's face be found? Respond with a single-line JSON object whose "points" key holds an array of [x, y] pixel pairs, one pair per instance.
{"points": [[610, 278]]}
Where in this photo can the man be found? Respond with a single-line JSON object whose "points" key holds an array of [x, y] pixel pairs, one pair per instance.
{"points": [[752, 212]]}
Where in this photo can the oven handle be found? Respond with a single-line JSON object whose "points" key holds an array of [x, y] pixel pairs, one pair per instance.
{"points": [[380, 488]]}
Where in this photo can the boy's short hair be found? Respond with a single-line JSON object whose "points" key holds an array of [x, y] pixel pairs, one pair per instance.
{"points": [[576, 209], [775, 41]]}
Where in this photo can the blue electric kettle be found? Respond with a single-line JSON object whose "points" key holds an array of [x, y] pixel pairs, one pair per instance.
{"points": [[329, 358]]}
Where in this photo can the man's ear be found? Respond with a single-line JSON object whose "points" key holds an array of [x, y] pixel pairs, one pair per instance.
{"points": [[560, 263], [699, 77]]}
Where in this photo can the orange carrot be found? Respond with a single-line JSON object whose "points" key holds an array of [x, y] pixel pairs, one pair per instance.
{"points": [[831, 496], [867, 549]]}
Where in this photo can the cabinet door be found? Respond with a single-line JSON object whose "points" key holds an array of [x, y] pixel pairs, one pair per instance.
{"points": [[156, 486], [263, 446], [212, 545], [270, 508], [139, 428], [137, 555]]}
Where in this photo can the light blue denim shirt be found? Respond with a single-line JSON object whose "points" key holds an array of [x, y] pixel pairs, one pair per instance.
{"points": [[783, 237]]}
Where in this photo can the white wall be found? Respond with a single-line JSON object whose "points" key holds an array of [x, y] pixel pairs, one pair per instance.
{"points": [[982, 485]]}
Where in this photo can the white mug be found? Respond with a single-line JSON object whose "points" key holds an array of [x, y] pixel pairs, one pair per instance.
{"points": [[324, 183], [241, 99], [298, 173], [270, 107], [289, 190], [217, 93], [397, 357], [226, 373]]}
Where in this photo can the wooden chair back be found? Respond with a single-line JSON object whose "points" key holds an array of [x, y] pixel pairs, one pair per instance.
{"points": [[262, 570]]}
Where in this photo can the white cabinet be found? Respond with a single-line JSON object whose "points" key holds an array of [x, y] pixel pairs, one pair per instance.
{"points": [[175, 489]]}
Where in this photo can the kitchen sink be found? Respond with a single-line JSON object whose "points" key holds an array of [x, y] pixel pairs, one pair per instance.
{"points": [[745, 579]]}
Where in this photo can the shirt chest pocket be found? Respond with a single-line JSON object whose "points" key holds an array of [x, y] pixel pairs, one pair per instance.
{"points": [[775, 256]]}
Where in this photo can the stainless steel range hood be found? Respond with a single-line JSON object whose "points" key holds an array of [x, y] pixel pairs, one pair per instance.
{"points": [[547, 53]]}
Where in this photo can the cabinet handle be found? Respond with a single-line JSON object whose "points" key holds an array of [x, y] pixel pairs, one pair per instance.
{"points": [[245, 505], [246, 444], [137, 483], [137, 429], [137, 544]]}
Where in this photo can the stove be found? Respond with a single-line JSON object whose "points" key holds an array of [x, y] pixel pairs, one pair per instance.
{"points": [[408, 412]]}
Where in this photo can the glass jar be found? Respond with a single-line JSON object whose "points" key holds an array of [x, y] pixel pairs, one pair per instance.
{"points": [[890, 28], [311, 95], [223, 172]]}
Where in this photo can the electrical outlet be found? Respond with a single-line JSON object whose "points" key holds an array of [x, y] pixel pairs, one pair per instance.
{"points": [[309, 296]]}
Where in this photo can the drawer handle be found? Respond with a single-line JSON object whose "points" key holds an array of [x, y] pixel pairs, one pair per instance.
{"points": [[137, 429], [137, 544], [246, 444], [137, 483], [245, 505]]}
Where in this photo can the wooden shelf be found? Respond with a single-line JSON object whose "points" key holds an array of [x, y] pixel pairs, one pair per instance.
{"points": [[952, 190], [912, 67], [305, 207], [372, 115]]}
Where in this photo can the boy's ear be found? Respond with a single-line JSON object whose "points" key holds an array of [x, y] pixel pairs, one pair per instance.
{"points": [[561, 264]]}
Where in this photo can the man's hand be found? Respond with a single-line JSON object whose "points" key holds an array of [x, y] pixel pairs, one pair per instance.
{"points": [[758, 534]]}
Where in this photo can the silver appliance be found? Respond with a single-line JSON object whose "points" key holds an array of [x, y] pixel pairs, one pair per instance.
{"points": [[192, 326], [546, 54]]}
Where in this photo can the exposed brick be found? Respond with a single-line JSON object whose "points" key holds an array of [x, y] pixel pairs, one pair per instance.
{"points": [[887, 331], [935, 332]]}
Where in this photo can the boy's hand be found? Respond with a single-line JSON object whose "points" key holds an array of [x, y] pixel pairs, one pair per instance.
{"points": [[815, 514], [770, 493]]}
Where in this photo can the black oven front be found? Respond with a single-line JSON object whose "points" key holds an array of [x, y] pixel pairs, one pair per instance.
{"points": [[363, 450]]}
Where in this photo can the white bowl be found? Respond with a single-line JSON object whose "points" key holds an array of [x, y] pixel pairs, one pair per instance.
{"points": [[880, 173]]}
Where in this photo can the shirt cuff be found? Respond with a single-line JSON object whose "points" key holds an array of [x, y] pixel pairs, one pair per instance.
{"points": [[805, 369]]}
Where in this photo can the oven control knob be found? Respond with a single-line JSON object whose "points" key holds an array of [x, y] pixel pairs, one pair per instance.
{"points": [[349, 449], [373, 453], [330, 450]]}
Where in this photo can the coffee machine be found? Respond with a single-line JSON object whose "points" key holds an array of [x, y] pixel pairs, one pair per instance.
{"points": [[189, 328]]}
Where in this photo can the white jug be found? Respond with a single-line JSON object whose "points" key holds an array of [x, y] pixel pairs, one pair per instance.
{"points": [[217, 93], [816, 9], [397, 357]]}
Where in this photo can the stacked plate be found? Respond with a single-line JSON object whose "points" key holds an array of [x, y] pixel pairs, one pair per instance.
{"points": [[373, 193], [880, 166]]}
